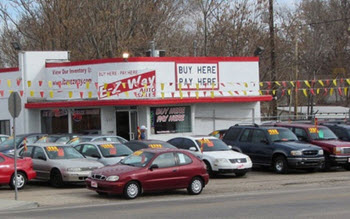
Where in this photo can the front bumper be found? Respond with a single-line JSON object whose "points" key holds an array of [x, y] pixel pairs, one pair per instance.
{"points": [[107, 187], [80, 176], [303, 162], [232, 168], [339, 159]]}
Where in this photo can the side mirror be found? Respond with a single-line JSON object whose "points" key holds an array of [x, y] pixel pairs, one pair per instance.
{"points": [[229, 146], [192, 149], [95, 156], [41, 158], [153, 166], [264, 141]]}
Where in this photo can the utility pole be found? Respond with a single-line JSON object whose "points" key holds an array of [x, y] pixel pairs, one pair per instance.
{"points": [[273, 59], [296, 78]]}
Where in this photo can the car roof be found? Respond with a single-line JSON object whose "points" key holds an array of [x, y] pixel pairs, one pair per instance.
{"points": [[298, 125], [161, 150], [100, 142], [48, 144], [196, 137], [147, 141]]}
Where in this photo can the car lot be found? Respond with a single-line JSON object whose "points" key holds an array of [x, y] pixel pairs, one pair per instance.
{"points": [[255, 181]]}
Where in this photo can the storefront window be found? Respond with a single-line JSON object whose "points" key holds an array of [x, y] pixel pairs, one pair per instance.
{"points": [[86, 121], [54, 121], [5, 127], [170, 119]]}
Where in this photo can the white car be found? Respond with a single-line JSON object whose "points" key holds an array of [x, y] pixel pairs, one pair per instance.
{"points": [[218, 157]]}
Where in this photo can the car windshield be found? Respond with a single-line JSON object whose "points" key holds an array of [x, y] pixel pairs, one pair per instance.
{"points": [[62, 152], [114, 150], [77, 140], [8, 144], [138, 159], [212, 145], [160, 145], [321, 133], [277, 135], [63, 140], [112, 139], [46, 139]]}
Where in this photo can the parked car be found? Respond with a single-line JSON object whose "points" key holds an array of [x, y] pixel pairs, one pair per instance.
{"points": [[336, 152], [136, 145], [89, 138], [107, 153], [25, 171], [150, 170], [217, 156], [218, 133], [7, 146], [59, 163], [57, 138], [342, 131], [3, 138], [274, 146]]}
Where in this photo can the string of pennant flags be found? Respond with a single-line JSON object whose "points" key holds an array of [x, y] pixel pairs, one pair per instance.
{"points": [[307, 87]]}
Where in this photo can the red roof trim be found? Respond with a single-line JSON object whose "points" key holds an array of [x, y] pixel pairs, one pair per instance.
{"points": [[156, 59], [147, 102], [9, 70]]}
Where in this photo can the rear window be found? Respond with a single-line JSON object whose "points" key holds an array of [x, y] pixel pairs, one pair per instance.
{"points": [[232, 134]]}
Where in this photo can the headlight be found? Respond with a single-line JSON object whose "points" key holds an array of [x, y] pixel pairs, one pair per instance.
{"points": [[320, 152], [296, 153], [221, 160], [112, 178], [337, 150], [74, 169]]}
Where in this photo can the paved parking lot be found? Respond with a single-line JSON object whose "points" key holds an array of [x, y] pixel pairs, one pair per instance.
{"points": [[257, 180]]}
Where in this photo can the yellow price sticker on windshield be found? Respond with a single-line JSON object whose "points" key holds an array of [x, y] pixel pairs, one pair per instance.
{"points": [[155, 146], [137, 153], [273, 131], [313, 130], [107, 146], [74, 139], [52, 148]]}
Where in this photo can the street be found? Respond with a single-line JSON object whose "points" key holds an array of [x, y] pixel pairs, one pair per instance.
{"points": [[262, 194]]}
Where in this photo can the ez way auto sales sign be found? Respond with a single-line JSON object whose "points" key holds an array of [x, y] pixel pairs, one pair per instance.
{"points": [[127, 84]]}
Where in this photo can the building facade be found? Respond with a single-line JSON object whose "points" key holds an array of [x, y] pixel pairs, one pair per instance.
{"points": [[169, 95]]}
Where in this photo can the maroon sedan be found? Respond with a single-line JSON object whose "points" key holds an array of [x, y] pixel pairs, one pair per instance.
{"points": [[150, 170], [25, 171]]}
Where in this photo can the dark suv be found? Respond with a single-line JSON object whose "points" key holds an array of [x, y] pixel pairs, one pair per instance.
{"points": [[342, 131], [274, 146], [336, 152]]}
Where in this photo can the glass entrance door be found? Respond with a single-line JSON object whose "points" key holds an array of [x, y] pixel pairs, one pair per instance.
{"points": [[127, 124]]}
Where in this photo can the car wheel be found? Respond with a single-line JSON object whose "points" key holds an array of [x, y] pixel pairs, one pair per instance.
{"points": [[196, 186], [209, 169], [280, 164], [240, 174], [326, 166], [21, 180], [56, 178], [131, 190]]}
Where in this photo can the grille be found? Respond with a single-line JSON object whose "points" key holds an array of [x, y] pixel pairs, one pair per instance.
{"points": [[310, 152], [239, 160], [346, 150], [98, 177]]}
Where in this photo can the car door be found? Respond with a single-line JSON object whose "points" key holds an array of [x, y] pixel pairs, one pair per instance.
{"points": [[5, 170], [185, 169], [244, 143], [40, 164], [261, 148], [163, 177]]}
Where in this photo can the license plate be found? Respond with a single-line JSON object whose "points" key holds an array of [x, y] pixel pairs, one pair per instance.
{"points": [[93, 184]]}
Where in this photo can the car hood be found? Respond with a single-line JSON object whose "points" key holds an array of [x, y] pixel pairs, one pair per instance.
{"points": [[334, 143], [81, 163], [224, 154], [298, 145], [117, 169]]}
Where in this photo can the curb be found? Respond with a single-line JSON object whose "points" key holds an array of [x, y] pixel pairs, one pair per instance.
{"points": [[6, 205]]}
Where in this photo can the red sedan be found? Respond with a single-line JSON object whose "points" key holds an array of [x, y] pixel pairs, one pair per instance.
{"points": [[151, 170], [25, 171]]}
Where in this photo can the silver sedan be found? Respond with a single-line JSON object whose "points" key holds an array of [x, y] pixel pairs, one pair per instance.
{"points": [[107, 153], [59, 163]]}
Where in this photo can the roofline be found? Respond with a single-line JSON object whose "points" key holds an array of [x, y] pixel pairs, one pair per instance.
{"points": [[9, 70], [147, 102]]}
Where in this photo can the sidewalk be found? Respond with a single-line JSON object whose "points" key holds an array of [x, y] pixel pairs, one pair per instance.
{"points": [[6, 204]]}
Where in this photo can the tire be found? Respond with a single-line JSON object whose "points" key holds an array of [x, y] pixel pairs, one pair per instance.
{"points": [[326, 166], [131, 190], [21, 180], [196, 186], [56, 178], [240, 174], [347, 167], [280, 164], [209, 169]]}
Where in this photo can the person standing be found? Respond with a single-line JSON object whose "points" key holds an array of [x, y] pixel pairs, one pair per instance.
{"points": [[143, 132]]}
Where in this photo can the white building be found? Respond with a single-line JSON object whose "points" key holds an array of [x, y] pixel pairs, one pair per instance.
{"points": [[169, 95]]}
